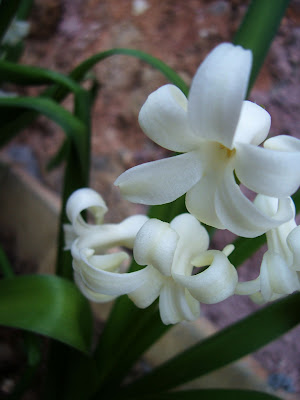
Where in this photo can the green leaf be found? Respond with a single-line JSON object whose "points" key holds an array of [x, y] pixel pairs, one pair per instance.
{"points": [[79, 72], [5, 265], [32, 344], [47, 305], [210, 394], [28, 75], [116, 355], [245, 248], [70, 376], [8, 9], [24, 9], [258, 29], [224, 347], [60, 384], [71, 125]]}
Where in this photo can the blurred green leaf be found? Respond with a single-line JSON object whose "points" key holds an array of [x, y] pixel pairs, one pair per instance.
{"points": [[70, 375], [47, 305], [75, 376], [245, 248], [72, 126], [258, 29], [8, 9], [224, 347], [116, 357], [24, 9], [5, 265], [32, 344], [28, 75], [79, 72]]}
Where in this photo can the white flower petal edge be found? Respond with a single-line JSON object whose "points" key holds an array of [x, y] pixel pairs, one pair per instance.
{"points": [[240, 215], [254, 124], [217, 93], [163, 118], [176, 304], [214, 284], [171, 251], [109, 283], [161, 181], [266, 171], [293, 241], [155, 245], [90, 294], [98, 274], [278, 276], [85, 199]]}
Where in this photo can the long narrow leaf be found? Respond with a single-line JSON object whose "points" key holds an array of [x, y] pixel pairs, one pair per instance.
{"points": [[47, 305], [71, 125], [5, 266], [33, 350], [258, 29], [141, 333], [226, 346], [79, 72], [28, 75], [76, 176], [60, 385], [8, 9]]}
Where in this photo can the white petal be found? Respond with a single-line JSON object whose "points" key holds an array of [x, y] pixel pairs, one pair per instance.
{"points": [[110, 283], [200, 201], [217, 93], [283, 143], [249, 287], [107, 236], [293, 241], [90, 294], [240, 215], [69, 236], [175, 305], [155, 245], [81, 200], [191, 233], [254, 124], [129, 228], [147, 293], [214, 284], [161, 181], [276, 277], [107, 262], [270, 172], [163, 118], [193, 240]]}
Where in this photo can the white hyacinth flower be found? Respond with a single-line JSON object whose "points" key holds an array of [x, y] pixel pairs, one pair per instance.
{"points": [[171, 251], [97, 273], [278, 273], [219, 134]]}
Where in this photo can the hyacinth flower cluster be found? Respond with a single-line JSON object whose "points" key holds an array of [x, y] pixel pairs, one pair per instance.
{"points": [[219, 135]]}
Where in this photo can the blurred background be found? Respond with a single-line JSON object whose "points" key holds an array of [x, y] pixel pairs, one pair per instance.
{"points": [[65, 32]]}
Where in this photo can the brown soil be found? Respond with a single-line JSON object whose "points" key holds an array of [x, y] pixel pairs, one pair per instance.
{"points": [[65, 32]]}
